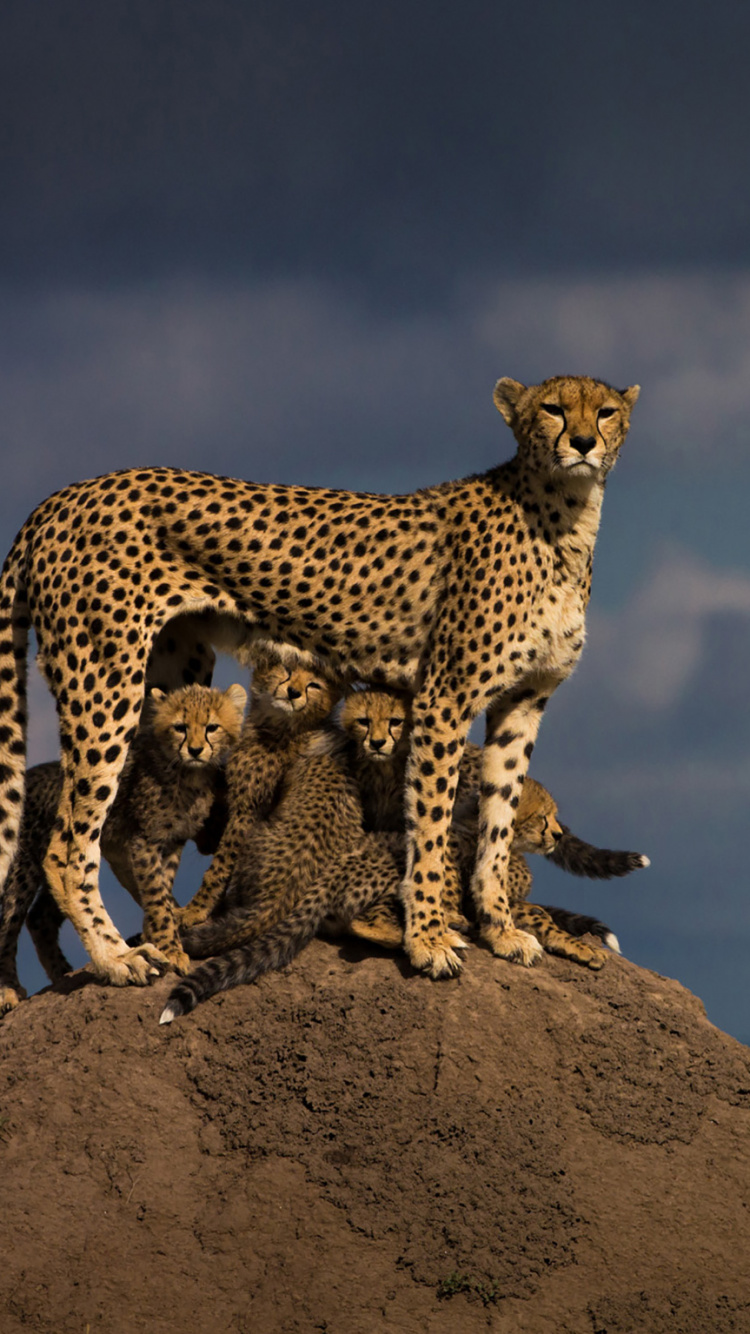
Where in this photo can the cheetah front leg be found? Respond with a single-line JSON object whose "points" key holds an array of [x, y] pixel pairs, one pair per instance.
{"points": [[437, 742], [154, 871], [512, 726], [71, 869]]}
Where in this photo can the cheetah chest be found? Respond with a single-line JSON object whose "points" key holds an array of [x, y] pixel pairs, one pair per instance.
{"points": [[557, 634]]}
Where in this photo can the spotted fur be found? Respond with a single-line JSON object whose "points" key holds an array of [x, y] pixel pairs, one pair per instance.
{"points": [[471, 593], [310, 860], [377, 723], [165, 795], [287, 703]]}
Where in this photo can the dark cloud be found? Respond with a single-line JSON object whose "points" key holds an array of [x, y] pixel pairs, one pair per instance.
{"points": [[395, 146]]}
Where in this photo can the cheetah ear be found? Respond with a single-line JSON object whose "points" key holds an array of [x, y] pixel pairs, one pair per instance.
{"points": [[237, 696], [631, 395], [156, 694], [506, 396]]}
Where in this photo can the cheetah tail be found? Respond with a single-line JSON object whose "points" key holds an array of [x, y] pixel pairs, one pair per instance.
{"points": [[578, 924], [580, 858], [275, 949], [14, 635]]}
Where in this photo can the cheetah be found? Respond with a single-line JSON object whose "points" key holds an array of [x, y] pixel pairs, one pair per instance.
{"points": [[288, 702], [165, 795], [472, 594]]}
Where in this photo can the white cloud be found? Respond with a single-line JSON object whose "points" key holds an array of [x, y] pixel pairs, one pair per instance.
{"points": [[649, 651], [292, 379]]}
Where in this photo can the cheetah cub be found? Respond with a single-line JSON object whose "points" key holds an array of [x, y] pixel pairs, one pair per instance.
{"points": [[376, 723], [165, 795], [288, 700], [309, 861]]}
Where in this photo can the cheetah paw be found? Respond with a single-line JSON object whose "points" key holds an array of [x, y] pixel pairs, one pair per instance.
{"points": [[10, 997], [190, 916], [514, 945], [177, 959], [435, 955], [134, 968]]}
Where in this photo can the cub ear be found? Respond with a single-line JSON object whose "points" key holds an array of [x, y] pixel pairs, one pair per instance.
{"points": [[156, 694], [237, 696], [631, 395], [506, 396]]}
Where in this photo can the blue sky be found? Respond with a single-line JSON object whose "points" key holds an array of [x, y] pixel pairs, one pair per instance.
{"points": [[303, 247]]}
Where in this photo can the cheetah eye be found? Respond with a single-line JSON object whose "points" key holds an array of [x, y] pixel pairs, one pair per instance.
{"points": [[606, 412], [362, 722], [211, 727], [553, 409], [180, 727], [314, 685], [396, 722]]}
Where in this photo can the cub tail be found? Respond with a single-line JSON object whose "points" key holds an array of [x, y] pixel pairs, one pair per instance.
{"points": [[275, 949], [581, 858], [578, 924]]}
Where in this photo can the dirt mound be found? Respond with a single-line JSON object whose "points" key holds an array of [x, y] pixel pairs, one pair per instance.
{"points": [[347, 1147]]}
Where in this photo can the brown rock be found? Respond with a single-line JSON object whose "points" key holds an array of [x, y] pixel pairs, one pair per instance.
{"points": [[347, 1147]]}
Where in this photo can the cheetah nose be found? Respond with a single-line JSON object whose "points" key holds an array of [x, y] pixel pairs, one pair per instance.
{"points": [[377, 745], [195, 751], [293, 694], [583, 443]]}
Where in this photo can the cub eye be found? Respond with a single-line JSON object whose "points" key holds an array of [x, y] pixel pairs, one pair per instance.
{"points": [[211, 727], [362, 722], [180, 727], [553, 409], [314, 685], [396, 722], [607, 412]]}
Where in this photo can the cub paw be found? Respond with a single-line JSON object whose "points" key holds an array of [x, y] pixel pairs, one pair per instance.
{"points": [[434, 953], [191, 916], [390, 936], [178, 960], [514, 945]]}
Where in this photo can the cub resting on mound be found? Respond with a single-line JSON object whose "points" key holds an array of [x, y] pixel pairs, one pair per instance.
{"points": [[471, 593], [165, 795], [377, 725]]}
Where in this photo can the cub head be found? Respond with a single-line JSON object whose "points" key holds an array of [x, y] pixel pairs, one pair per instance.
{"points": [[569, 427], [537, 828], [290, 688], [378, 723], [197, 726]]}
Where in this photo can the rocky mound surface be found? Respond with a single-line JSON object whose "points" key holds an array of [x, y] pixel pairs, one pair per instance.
{"points": [[347, 1147]]}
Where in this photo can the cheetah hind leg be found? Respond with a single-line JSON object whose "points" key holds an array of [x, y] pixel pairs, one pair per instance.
{"points": [[44, 920], [554, 940], [380, 924]]}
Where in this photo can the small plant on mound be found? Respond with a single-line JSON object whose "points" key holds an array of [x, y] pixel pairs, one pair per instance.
{"points": [[455, 1283]]}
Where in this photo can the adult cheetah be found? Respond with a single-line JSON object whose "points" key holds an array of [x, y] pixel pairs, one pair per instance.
{"points": [[472, 594]]}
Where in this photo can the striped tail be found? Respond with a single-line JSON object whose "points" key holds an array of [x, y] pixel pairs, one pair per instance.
{"points": [[14, 636], [275, 949], [580, 858], [578, 924]]}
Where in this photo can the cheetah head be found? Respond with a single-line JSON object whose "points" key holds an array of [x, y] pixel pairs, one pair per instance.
{"points": [[537, 828], [569, 427], [292, 688], [196, 726], [378, 722]]}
